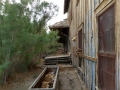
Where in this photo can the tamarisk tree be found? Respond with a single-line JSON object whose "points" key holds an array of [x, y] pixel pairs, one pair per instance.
{"points": [[23, 37]]}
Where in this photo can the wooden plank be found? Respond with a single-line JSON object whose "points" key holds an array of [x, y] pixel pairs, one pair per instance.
{"points": [[90, 27], [103, 5], [87, 29], [82, 11], [101, 1], [84, 26], [86, 71], [89, 73], [90, 70], [96, 3], [118, 69], [90, 58], [79, 11], [96, 46], [93, 31], [93, 75], [57, 56], [117, 24], [82, 71], [76, 15], [80, 14], [93, 49], [87, 57]]}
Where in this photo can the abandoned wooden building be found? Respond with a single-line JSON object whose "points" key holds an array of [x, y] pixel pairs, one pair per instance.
{"points": [[95, 41], [63, 31]]}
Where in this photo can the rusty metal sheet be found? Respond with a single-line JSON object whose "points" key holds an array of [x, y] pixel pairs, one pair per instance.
{"points": [[106, 54]]}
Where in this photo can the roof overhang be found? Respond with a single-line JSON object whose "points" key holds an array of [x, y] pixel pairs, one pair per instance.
{"points": [[66, 5], [60, 25]]}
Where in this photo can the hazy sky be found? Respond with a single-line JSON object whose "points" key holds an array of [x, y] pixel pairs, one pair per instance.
{"points": [[61, 15]]}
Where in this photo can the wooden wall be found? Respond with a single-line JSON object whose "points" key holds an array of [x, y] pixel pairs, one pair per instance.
{"points": [[89, 45], [72, 22], [118, 43], [83, 15]]}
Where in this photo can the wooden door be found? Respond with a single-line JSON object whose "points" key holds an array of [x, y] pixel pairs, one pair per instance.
{"points": [[106, 51]]}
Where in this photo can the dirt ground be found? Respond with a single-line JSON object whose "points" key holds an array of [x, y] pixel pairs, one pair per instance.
{"points": [[68, 79], [21, 81]]}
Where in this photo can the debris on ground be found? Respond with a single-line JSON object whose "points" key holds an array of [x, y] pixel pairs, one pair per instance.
{"points": [[48, 81]]}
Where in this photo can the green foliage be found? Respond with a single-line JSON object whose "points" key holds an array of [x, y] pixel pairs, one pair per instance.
{"points": [[53, 38], [4, 67], [23, 37]]}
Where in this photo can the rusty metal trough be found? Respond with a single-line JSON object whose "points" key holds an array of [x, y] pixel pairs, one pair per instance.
{"points": [[49, 69]]}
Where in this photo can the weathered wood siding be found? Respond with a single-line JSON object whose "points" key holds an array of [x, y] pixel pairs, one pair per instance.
{"points": [[118, 43], [72, 22], [83, 15], [89, 44]]}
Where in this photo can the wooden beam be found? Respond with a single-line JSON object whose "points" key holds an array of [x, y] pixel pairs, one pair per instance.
{"points": [[87, 57]]}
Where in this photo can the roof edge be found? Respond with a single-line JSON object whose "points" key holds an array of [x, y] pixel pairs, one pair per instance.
{"points": [[66, 5]]}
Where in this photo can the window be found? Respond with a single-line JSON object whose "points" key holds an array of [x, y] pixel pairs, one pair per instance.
{"points": [[80, 40], [80, 48], [80, 62]]}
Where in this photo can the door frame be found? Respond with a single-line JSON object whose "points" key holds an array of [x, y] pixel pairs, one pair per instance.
{"points": [[98, 12]]}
